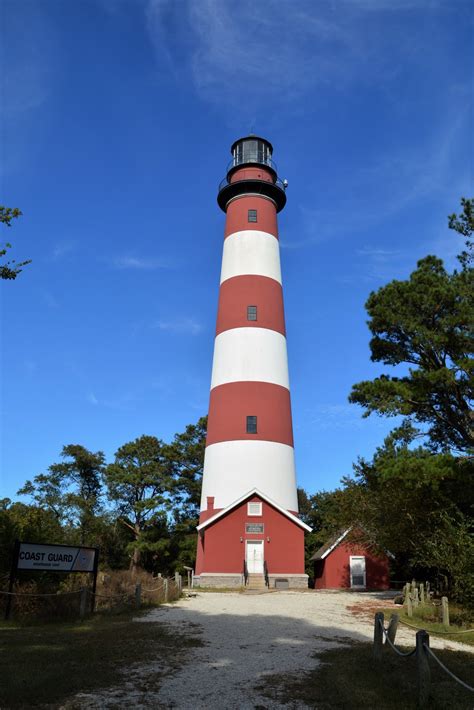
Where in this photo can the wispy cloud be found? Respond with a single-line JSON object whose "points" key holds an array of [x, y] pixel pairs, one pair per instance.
{"points": [[92, 399], [140, 263], [183, 326]]}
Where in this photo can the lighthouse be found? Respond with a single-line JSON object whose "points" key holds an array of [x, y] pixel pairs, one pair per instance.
{"points": [[249, 532]]}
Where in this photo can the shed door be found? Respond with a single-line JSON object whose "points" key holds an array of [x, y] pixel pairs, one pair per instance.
{"points": [[255, 556], [357, 572]]}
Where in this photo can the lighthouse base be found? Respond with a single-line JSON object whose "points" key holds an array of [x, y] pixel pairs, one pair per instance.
{"points": [[236, 581]]}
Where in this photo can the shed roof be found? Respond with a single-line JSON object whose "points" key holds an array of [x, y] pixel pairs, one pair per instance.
{"points": [[329, 546]]}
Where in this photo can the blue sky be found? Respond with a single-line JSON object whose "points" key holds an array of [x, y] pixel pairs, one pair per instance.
{"points": [[116, 121]]}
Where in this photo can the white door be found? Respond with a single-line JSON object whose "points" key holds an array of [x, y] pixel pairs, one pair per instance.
{"points": [[255, 556], [357, 572]]}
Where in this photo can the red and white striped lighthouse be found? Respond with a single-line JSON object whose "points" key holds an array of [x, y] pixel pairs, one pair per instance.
{"points": [[249, 521]]}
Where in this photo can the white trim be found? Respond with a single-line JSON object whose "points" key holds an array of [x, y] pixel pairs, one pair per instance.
{"points": [[335, 544], [264, 497]]}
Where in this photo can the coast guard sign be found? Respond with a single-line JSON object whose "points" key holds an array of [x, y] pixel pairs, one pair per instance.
{"points": [[55, 558]]}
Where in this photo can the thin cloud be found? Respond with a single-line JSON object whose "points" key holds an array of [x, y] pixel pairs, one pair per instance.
{"points": [[140, 263], [185, 326]]}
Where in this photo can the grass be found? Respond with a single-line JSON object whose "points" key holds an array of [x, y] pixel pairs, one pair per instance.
{"points": [[423, 619], [348, 679], [45, 664]]}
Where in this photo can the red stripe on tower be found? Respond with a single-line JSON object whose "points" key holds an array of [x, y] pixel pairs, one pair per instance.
{"points": [[249, 459]]}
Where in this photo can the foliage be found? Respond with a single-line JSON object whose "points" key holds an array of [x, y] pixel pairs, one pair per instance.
{"points": [[464, 225], [424, 323], [71, 489], [10, 269], [139, 482]]}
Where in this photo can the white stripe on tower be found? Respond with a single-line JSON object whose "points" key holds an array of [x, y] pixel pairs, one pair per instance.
{"points": [[250, 355], [251, 252]]}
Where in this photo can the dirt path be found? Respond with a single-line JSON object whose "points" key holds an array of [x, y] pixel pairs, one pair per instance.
{"points": [[245, 638]]}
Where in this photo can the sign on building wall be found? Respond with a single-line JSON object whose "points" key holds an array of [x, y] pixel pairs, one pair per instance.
{"points": [[254, 527], [55, 558]]}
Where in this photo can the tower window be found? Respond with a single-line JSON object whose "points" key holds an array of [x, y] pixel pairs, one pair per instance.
{"points": [[251, 425], [252, 215], [251, 312]]}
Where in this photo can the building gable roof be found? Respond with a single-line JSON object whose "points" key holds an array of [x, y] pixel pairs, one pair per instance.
{"points": [[333, 542], [240, 500], [329, 546]]}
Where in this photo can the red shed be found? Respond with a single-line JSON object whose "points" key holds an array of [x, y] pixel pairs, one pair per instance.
{"points": [[345, 564]]}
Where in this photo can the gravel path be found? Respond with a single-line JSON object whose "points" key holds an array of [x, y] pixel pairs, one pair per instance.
{"points": [[246, 637]]}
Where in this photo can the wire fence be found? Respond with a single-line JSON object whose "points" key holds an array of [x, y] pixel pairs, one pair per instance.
{"points": [[422, 653], [22, 604]]}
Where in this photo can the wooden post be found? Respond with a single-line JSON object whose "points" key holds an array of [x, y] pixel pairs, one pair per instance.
{"points": [[378, 635], [176, 581], [445, 611], [165, 584], [409, 606], [138, 595], [406, 592], [392, 627], [422, 594], [427, 587], [423, 668], [83, 602], [413, 585], [416, 600]]}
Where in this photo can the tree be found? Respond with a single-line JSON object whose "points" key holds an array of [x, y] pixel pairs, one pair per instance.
{"points": [[424, 324], [186, 456], [71, 489], [419, 506], [464, 224], [10, 269], [140, 483]]}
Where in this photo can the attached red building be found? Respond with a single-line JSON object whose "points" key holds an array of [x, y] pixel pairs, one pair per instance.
{"points": [[344, 564], [254, 529]]}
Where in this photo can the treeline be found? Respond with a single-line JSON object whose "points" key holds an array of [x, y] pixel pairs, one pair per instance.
{"points": [[414, 498], [141, 509]]}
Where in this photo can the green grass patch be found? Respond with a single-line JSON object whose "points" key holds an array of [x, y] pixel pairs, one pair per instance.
{"points": [[348, 679], [423, 618], [45, 664]]}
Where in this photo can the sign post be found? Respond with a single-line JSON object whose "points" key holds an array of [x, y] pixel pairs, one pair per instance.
{"points": [[38, 557]]}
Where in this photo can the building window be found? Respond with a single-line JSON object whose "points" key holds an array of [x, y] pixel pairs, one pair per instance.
{"points": [[251, 425], [251, 312], [254, 508], [252, 215]]}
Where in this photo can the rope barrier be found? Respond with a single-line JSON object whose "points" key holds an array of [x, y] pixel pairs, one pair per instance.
{"points": [[30, 594], [112, 596], [400, 653], [443, 633], [440, 663]]}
